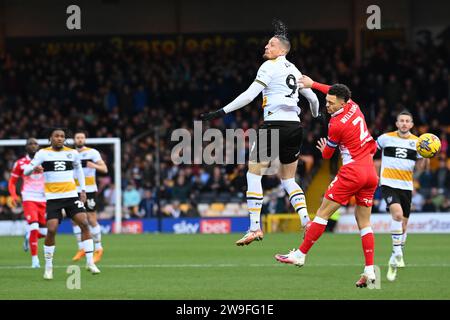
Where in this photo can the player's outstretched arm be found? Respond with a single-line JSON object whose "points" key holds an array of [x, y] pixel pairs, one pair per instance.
{"points": [[307, 82], [312, 99], [241, 101]]}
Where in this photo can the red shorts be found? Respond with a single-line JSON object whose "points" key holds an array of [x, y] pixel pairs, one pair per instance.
{"points": [[359, 180], [34, 212]]}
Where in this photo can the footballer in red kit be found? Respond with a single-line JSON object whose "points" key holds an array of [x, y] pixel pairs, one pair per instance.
{"points": [[347, 130], [33, 200]]}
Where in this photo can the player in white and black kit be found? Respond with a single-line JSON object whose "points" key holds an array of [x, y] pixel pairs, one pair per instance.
{"points": [[277, 80], [399, 159]]}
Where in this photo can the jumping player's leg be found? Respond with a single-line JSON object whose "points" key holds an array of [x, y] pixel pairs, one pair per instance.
{"points": [[362, 215], [364, 202], [294, 191], [318, 225], [254, 202], [313, 233]]}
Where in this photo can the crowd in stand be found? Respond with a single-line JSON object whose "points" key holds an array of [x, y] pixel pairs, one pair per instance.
{"points": [[142, 97]]}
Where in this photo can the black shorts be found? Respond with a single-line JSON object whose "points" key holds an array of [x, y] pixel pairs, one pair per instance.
{"points": [[290, 137], [402, 197], [91, 201], [71, 206]]}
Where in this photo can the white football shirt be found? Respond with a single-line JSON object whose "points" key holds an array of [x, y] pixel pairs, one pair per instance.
{"points": [[280, 95]]}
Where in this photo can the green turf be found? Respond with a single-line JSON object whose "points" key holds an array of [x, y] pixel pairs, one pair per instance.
{"points": [[212, 267]]}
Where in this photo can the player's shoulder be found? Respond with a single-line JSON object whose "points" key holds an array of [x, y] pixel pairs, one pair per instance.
{"points": [[22, 160], [391, 134], [267, 65], [383, 136], [87, 149], [72, 151]]}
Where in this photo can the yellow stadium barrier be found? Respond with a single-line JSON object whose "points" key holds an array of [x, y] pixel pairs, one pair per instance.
{"points": [[282, 222]]}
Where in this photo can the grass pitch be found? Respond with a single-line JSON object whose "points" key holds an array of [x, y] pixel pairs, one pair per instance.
{"points": [[162, 266]]}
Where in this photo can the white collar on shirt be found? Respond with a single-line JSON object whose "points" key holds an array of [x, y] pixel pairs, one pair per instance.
{"points": [[338, 112]]}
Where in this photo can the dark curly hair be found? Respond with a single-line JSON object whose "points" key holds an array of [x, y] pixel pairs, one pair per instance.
{"points": [[341, 91], [280, 32], [51, 130]]}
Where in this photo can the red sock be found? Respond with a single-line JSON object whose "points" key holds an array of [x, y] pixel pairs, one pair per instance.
{"points": [[34, 242], [314, 232], [368, 244]]}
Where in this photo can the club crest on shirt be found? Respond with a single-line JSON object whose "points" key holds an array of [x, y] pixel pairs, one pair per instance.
{"points": [[412, 144], [389, 199], [69, 155]]}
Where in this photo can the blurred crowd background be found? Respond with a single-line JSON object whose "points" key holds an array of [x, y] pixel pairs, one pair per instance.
{"points": [[142, 96]]}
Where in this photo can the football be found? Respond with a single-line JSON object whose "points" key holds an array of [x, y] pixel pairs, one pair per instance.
{"points": [[428, 145]]}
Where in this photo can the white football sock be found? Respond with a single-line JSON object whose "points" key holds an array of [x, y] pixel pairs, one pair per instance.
{"points": [[396, 234], [369, 269], [88, 246], [48, 254], [254, 200], [97, 236], [404, 236], [77, 233], [297, 199]]}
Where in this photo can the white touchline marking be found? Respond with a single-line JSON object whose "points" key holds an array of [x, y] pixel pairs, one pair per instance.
{"points": [[253, 265]]}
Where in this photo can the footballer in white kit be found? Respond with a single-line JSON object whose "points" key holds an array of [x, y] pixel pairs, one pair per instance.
{"points": [[59, 164], [399, 159], [91, 161], [277, 80]]}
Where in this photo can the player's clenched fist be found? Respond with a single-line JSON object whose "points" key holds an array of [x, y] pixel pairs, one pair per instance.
{"points": [[321, 144], [305, 82]]}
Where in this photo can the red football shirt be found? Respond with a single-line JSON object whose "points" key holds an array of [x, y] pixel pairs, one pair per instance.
{"points": [[33, 185], [348, 130]]}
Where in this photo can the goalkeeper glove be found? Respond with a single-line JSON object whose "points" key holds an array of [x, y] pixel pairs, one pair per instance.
{"points": [[212, 115]]}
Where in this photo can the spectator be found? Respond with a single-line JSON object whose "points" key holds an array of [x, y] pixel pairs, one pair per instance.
{"points": [[181, 189], [131, 200], [216, 182], [441, 177], [445, 207], [417, 201], [148, 206], [437, 198]]}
